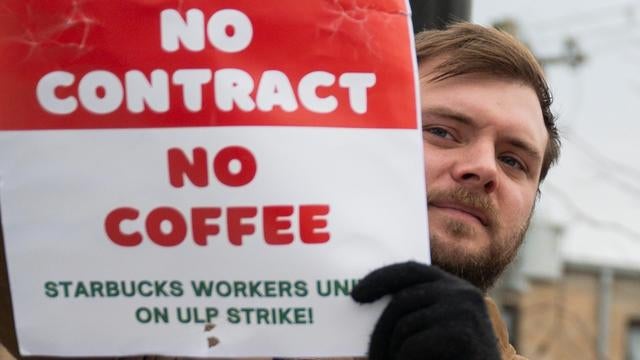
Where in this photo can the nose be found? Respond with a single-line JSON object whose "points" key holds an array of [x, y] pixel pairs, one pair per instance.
{"points": [[477, 169]]}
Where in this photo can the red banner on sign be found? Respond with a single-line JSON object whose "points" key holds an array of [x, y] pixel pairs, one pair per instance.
{"points": [[148, 64]]}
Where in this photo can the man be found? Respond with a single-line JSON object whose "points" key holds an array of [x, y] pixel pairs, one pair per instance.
{"points": [[489, 140]]}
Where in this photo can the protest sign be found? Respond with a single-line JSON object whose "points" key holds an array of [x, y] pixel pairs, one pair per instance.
{"points": [[199, 178]]}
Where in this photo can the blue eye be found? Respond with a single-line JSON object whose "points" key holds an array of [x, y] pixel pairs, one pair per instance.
{"points": [[512, 162], [437, 131]]}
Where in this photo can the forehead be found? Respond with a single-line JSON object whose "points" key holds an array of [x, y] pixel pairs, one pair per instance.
{"points": [[506, 105]]}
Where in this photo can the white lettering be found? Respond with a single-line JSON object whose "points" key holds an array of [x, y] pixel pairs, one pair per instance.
{"points": [[154, 93], [103, 92], [103, 103], [174, 30], [308, 96], [191, 81], [233, 86], [357, 83], [275, 89], [46, 93], [238, 25]]}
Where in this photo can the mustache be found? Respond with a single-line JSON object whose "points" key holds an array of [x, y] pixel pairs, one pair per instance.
{"points": [[467, 198]]}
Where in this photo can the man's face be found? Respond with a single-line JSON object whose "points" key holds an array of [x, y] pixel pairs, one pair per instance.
{"points": [[484, 140]]}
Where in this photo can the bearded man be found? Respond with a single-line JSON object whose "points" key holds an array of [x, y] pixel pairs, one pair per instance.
{"points": [[489, 140]]}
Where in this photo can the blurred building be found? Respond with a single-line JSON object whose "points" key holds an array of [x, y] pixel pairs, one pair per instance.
{"points": [[559, 306]]}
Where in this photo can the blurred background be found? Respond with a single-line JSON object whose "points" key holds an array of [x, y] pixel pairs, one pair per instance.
{"points": [[574, 291]]}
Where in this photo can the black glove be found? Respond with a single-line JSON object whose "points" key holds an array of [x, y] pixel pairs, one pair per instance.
{"points": [[432, 315]]}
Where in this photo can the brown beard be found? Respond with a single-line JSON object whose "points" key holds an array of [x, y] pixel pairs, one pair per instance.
{"points": [[482, 270]]}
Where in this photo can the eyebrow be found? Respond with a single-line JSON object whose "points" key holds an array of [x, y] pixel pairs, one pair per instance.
{"points": [[449, 114], [528, 149], [467, 120]]}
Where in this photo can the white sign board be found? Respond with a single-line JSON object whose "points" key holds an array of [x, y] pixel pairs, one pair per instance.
{"points": [[208, 180]]}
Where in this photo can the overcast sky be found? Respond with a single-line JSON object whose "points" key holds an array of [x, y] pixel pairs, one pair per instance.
{"points": [[594, 192]]}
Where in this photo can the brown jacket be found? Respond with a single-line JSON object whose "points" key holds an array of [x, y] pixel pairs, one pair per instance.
{"points": [[508, 352]]}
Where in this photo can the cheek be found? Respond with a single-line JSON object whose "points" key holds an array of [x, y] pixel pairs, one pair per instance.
{"points": [[516, 208], [435, 164]]}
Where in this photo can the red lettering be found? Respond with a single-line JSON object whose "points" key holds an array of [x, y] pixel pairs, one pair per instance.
{"points": [[247, 166], [310, 223], [180, 166], [273, 223], [201, 229], [235, 227], [112, 227], [167, 226], [154, 222]]}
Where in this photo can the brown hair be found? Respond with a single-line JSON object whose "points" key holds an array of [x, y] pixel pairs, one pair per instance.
{"points": [[469, 48]]}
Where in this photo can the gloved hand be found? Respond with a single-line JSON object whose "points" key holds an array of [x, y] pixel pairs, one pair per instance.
{"points": [[432, 315]]}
